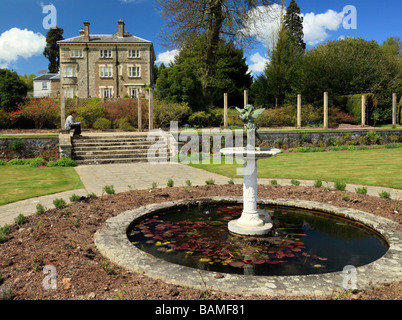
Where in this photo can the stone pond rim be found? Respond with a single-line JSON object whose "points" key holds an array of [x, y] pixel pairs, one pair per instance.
{"points": [[113, 243]]}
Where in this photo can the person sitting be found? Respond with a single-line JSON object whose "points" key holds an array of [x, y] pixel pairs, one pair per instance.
{"points": [[71, 124]]}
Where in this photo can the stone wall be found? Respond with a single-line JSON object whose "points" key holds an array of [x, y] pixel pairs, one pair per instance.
{"points": [[317, 138], [32, 147]]}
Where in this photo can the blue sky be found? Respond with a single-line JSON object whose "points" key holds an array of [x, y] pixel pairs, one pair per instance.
{"points": [[22, 31]]}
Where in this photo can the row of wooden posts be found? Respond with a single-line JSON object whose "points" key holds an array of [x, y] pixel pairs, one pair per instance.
{"points": [[225, 113], [299, 109]]}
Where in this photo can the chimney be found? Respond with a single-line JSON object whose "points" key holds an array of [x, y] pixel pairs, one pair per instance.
{"points": [[86, 31], [121, 28]]}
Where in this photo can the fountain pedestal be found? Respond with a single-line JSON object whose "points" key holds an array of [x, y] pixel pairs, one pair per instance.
{"points": [[250, 222]]}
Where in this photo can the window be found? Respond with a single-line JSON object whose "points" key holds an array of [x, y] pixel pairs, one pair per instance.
{"points": [[106, 72], [134, 72], [106, 53], [44, 85], [133, 93], [70, 92], [106, 93], [76, 53], [69, 72], [134, 53]]}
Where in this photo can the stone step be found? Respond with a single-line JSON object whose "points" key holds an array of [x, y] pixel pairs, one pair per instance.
{"points": [[133, 153], [110, 160], [102, 149], [113, 144]]}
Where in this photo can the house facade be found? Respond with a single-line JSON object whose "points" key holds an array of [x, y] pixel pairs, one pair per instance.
{"points": [[46, 86], [106, 66]]}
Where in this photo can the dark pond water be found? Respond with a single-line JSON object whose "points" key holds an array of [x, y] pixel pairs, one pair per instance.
{"points": [[303, 242]]}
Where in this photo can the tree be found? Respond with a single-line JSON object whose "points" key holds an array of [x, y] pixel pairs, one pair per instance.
{"points": [[187, 20], [28, 80], [350, 66], [182, 81], [51, 51], [287, 48], [12, 90], [294, 24]]}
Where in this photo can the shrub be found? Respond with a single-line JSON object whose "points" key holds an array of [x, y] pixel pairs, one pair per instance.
{"points": [[4, 231], [75, 198], [36, 162], [282, 116], [9, 119], [41, 111], [40, 209], [165, 112], [21, 219], [318, 183], [384, 194], [295, 182], [62, 162], [362, 190], [109, 189], [123, 124], [17, 145], [210, 181], [231, 181], [90, 112], [59, 203], [274, 182], [188, 183], [2, 162], [170, 183], [16, 162], [102, 124], [339, 185], [126, 108]]}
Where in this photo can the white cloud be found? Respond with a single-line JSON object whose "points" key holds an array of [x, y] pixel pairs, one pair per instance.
{"points": [[264, 24], [16, 43], [258, 63], [315, 26], [167, 57]]}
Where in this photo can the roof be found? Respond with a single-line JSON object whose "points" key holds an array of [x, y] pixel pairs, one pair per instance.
{"points": [[48, 76], [104, 38]]}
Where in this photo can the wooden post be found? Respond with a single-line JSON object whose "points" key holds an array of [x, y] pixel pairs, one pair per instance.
{"points": [[139, 112], [394, 104], [225, 110], [325, 110], [245, 97], [363, 110], [299, 111], [151, 110], [62, 109]]}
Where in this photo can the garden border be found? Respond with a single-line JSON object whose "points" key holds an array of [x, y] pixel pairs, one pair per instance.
{"points": [[113, 243]]}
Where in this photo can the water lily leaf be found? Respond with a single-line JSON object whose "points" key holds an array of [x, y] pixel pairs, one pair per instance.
{"points": [[318, 266], [236, 264], [205, 259], [257, 261], [158, 243]]}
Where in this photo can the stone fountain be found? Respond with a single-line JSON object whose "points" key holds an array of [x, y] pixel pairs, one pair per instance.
{"points": [[253, 221]]}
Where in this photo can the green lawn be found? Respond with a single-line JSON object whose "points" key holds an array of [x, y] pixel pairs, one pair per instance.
{"points": [[376, 167], [23, 182]]}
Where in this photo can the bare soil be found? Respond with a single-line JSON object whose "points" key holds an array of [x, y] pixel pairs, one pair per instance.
{"points": [[64, 238]]}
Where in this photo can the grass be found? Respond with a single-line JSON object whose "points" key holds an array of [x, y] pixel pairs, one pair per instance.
{"points": [[375, 167], [23, 182]]}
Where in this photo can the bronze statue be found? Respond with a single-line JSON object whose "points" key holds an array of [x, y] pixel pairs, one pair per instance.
{"points": [[248, 118]]}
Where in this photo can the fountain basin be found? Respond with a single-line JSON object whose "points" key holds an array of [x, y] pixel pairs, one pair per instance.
{"points": [[113, 243]]}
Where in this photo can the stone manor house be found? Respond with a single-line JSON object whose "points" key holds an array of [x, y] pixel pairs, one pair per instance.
{"points": [[106, 66]]}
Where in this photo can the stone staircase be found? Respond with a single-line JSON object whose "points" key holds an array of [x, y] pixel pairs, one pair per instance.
{"points": [[114, 148]]}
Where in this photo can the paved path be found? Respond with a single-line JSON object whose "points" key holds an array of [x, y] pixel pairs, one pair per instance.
{"points": [[125, 177]]}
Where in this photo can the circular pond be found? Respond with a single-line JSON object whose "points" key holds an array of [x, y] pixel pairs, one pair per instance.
{"points": [[303, 242]]}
